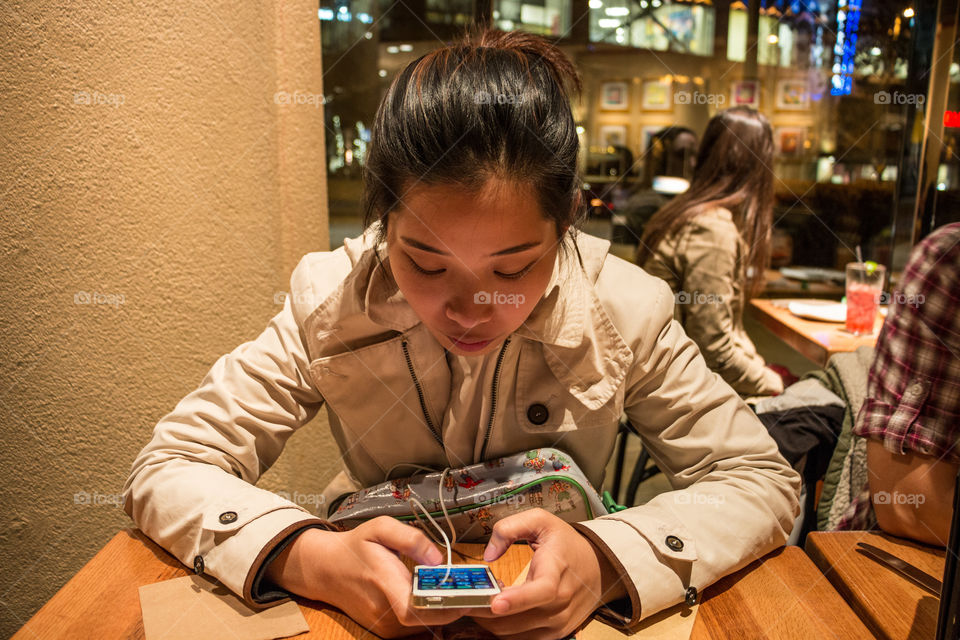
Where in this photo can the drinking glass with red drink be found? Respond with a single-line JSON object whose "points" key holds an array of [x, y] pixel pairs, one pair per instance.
{"points": [[864, 288]]}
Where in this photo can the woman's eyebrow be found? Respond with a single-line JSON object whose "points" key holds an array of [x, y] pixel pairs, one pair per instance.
{"points": [[425, 247], [516, 249]]}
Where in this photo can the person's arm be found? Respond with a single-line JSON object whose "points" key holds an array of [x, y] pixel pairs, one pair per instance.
{"points": [[912, 493], [269, 576], [735, 497], [707, 294], [910, 414], [191, 487]]}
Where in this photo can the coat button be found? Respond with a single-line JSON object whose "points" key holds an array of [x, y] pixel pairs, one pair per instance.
{"points": [[691, 596], [227, 517], [537, 413], [198, 565], [674, 543]]}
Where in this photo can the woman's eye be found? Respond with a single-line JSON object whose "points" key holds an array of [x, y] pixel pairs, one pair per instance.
{"points": [[425, 272], [516, 274]]}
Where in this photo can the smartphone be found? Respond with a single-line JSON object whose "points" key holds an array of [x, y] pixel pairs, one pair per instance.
{"points": [[468, 585]]}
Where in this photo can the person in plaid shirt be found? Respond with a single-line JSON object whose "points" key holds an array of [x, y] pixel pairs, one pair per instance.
{"points": [[911, 415]]}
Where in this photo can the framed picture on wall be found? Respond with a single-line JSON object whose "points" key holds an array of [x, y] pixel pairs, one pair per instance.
{"points": [[789, 140], [793, 95], [614, 96], [646, 136], [656, 95], [612, 135], [745, 93]]}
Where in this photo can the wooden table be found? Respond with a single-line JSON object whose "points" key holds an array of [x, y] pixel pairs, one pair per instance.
{"points": [[814, 339], [776, 285], [889, 604], [782, 595]]}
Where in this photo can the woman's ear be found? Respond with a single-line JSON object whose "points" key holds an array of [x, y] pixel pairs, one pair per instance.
{"points": [[575, 210]]}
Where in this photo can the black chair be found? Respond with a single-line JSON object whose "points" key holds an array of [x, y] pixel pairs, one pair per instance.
{"points": [[642, 470]]}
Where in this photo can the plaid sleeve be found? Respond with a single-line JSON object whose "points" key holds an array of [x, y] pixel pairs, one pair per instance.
{"points": [[913, 392]]}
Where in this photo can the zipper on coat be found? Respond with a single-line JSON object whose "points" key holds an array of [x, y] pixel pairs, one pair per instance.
{"points": [[493, 399], [420, 395]]}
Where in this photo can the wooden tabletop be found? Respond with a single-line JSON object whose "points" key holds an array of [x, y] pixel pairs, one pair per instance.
{"points": [[812, 338], [889, 604], [776, 285], [782, 595]]}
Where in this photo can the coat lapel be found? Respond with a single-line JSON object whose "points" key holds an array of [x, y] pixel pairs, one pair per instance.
{"points": [[582, 348]]}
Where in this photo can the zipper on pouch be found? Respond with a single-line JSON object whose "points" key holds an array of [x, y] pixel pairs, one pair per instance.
{"points": [[493, 399], [423, 400]]}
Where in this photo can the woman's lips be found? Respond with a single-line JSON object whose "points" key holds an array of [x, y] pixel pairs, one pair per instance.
{"points": [[469, 345]]}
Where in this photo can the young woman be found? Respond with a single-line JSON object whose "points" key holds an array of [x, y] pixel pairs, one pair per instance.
{"points": [[712, 245], [469, 322]]}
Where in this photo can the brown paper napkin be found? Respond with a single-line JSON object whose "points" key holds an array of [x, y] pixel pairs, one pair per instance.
{"points": [[675, 623], [194, 607]]}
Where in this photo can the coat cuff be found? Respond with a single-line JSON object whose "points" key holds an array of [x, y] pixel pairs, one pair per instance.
{"points": [[619, 613], [654, 571], [241, 545], [263, 590]]}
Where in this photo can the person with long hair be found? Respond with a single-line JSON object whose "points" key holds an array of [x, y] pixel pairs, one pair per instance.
{"points": [[712, 244]]}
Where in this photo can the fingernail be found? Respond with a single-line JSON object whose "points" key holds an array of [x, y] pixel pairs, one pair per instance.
{"points": [[500, 606], [488, 554]]}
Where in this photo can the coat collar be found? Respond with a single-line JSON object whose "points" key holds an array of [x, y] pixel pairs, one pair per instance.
{"points": [[580, 343]]}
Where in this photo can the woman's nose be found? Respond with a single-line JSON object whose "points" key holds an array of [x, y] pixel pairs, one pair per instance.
{"points": [[469, 312]]}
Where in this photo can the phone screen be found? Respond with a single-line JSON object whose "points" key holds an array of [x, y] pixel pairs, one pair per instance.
{"points": [[429, 579]]}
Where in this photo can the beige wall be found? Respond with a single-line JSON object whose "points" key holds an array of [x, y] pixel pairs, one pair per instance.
{"points": [[155, 197]]}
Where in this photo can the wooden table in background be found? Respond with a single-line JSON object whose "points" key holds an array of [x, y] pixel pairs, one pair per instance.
{"points": [[814, 339], [782, 595], [776, 285], [889, 604]]}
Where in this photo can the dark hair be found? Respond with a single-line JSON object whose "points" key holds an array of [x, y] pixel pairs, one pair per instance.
{"points": [[733, 171], [671, 152], [495, 105]]}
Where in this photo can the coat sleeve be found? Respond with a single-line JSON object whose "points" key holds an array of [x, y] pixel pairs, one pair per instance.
{"points": [[709, 253], [734, 499], [191, 489]]}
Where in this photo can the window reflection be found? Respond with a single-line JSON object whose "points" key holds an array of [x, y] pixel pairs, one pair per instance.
{"points": [[450, 12], [833, 77], [543, 17], [661, 25]]}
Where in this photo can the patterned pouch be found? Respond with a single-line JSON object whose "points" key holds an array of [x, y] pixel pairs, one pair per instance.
{"points": [[479, 495]]}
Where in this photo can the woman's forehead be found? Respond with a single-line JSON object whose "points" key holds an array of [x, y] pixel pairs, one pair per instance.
{"points": [[495, 214]]}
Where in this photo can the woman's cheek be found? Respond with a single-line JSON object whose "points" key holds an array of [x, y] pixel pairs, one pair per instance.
{"points": [[423, 297], [428, 298], [527, 294]]}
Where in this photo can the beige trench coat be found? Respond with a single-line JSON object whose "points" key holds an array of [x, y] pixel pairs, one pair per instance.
{"points": [[702, 265], [601, 342]]}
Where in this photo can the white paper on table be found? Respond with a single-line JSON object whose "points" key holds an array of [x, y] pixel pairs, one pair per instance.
{"points": [[824, 311]]}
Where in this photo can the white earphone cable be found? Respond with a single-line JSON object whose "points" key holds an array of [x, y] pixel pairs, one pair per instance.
{"points": [[448, 542]]}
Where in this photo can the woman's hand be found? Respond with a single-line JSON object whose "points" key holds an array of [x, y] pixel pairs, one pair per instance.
{"points": [[786, 376], [568, 579], [358, 572]]}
